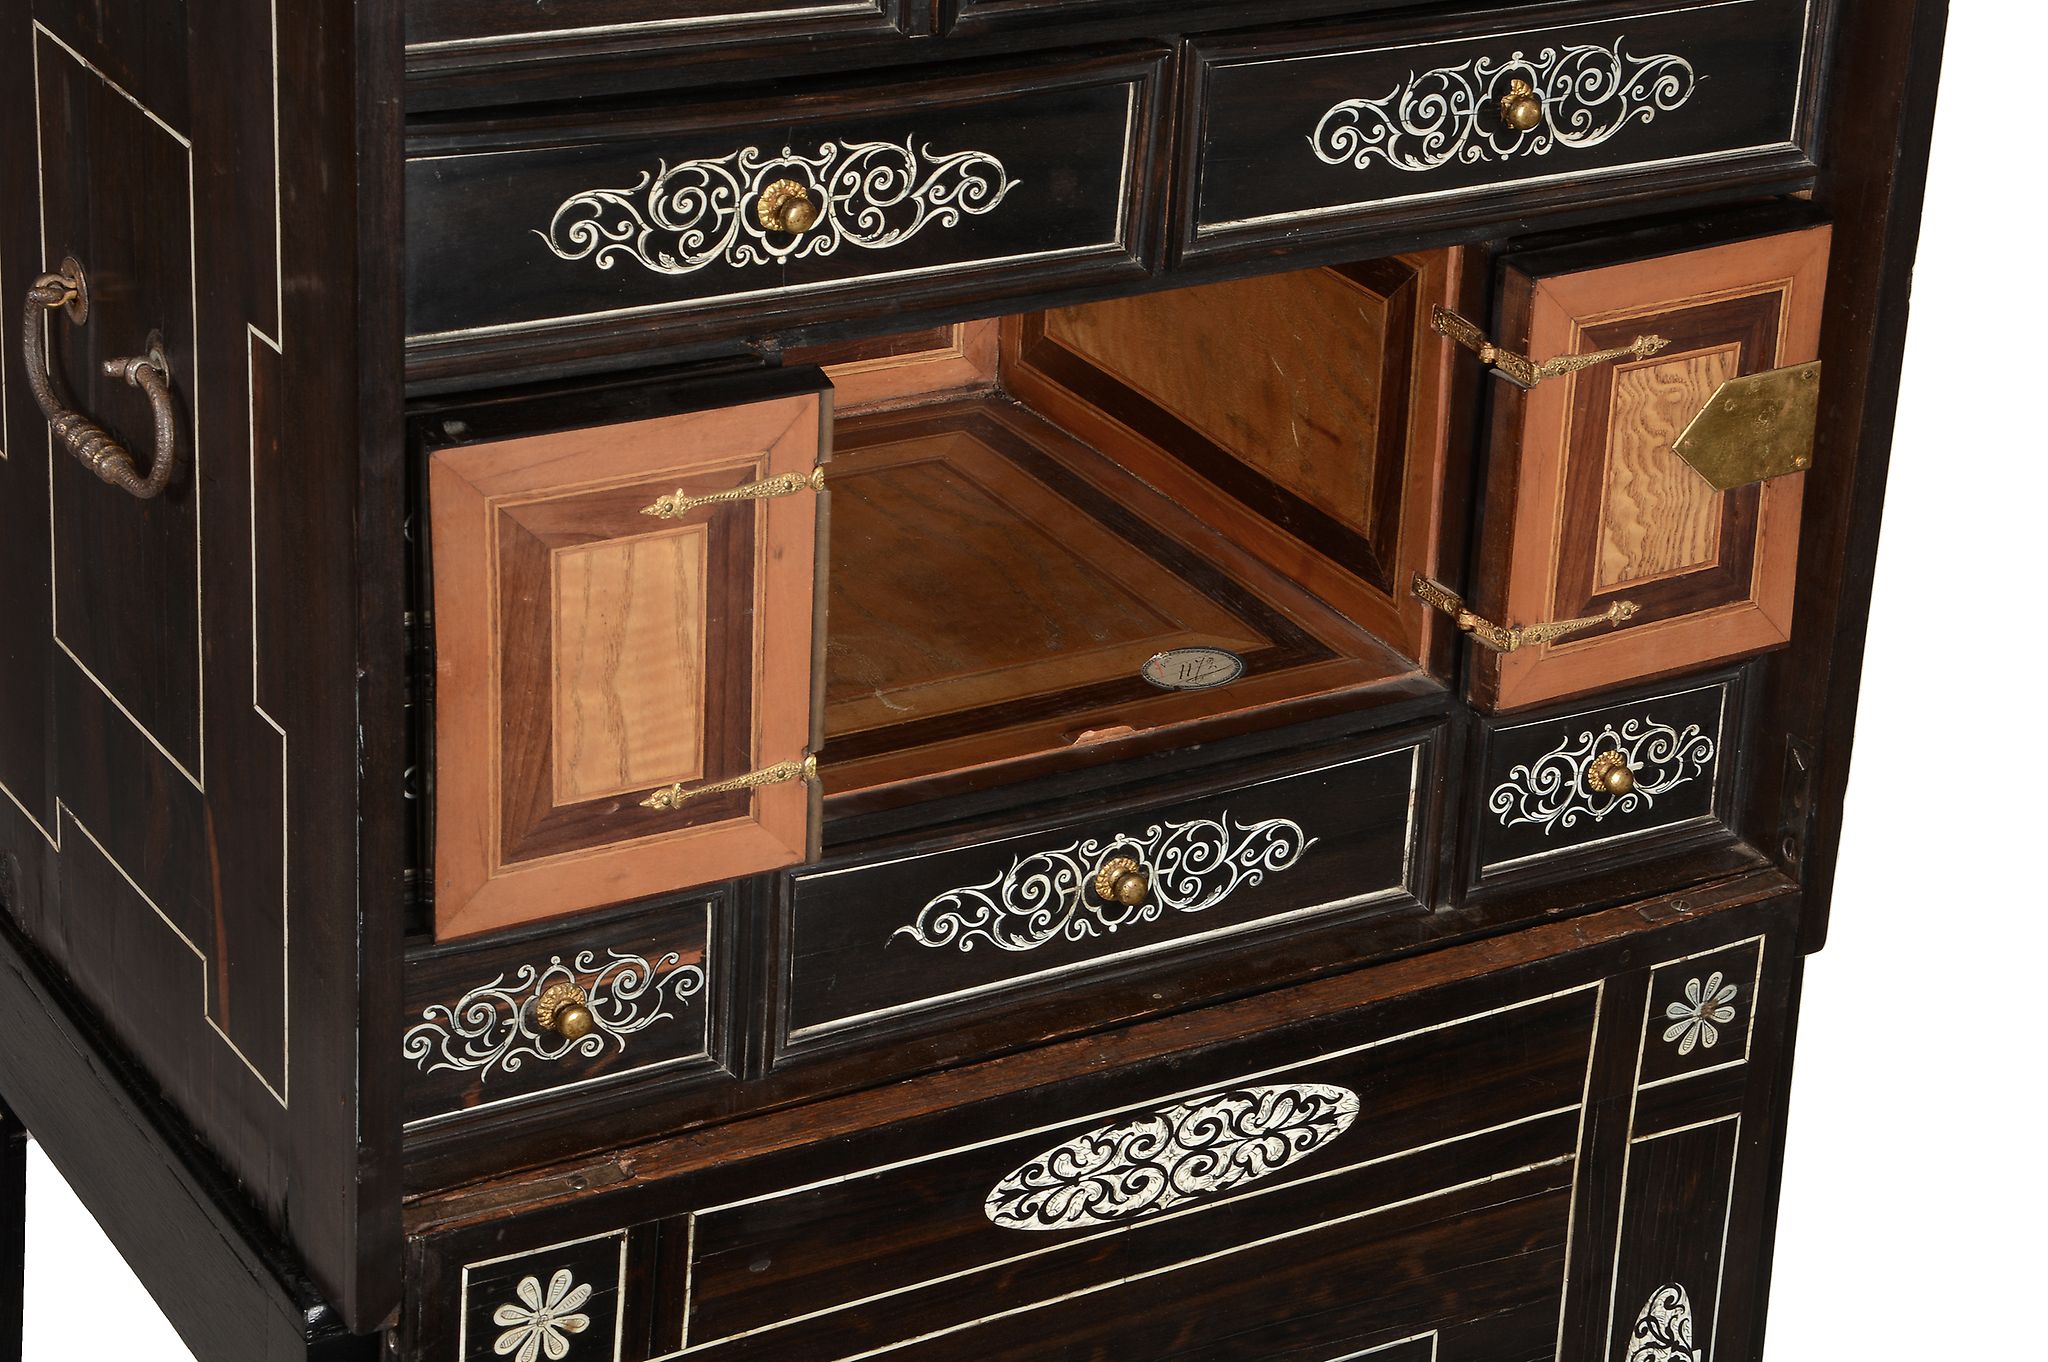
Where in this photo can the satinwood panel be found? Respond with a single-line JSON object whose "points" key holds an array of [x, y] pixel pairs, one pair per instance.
{"points": [[1589, 505], [589, 653]]}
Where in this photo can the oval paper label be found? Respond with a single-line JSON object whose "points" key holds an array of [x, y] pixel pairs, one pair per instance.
{"points": [[1192, 668]]}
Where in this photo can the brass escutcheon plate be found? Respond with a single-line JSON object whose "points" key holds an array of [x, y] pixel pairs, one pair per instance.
{"points": [[1756, 428]]}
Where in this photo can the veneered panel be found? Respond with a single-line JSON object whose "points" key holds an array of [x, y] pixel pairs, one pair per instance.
{"points": [[1295, 385], [1657, 516], [587, 654], [1591, 506], [629, 663], [1305, 414], [997, 587]]}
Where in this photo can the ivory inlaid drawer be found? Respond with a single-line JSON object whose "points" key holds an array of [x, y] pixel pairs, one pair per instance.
{"points": [[1496, 1152], [1646, 775], [742, 217], [902, 941], [1327, 132], [491, 1029]]}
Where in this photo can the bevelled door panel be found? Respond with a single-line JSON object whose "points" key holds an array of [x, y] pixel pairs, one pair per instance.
{"points": [[1607, 557], [623, 644]]}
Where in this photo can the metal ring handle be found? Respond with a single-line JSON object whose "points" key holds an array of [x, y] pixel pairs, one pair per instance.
{"points": [[90, 443]]}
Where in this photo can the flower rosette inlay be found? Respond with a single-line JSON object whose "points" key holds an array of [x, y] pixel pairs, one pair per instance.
{"points": [[1445, 116], [1553, 790], [1663, 1330], [542, 1323], [493, 1027], [680, 218], [1191, 1151], [1049, 895], [1695, 1020]]}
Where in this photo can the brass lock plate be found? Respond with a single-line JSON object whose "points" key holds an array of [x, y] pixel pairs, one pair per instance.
{"points": [[1756, 428]]}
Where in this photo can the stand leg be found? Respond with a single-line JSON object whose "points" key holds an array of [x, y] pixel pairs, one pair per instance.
{"points": [[13, 1228]]}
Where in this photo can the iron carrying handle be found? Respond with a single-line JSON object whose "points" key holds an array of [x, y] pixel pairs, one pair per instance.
{"points": [[89, 442]]}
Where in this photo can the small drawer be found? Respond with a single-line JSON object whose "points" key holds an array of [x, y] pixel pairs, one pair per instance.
{"points": [[494, 1028], [445, 35], [530, 242], [1424, 1161], [1301, 136], [889, 945], [1649, 775]]}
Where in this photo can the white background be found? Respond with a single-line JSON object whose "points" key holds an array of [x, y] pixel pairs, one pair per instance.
{"points": [[1911, 1225]]}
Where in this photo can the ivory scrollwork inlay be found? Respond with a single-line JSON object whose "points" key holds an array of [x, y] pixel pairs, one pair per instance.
{"points": [[1048, 895], [1191, 1151], [1442, 116], [1553, 791], [492, 1028], [677, 219], [1663, 1331]]}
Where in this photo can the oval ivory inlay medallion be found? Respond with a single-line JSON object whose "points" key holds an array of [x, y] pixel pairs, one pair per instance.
{"points": [[1191, 1151], [1192, 668]]}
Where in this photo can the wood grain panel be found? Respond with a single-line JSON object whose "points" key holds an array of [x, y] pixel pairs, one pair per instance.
{"points": [[1587, 505], [586, 654], [997, 585], [1306, 415], [906, 369], [630, 664], [1657, 516], [1294, 386]]}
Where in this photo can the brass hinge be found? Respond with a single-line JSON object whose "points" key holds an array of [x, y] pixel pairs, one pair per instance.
{"points": [[1520, 369], [680, 503], [1504, 638], [675, 796]]}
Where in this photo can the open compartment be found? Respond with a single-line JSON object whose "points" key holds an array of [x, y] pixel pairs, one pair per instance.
{"points": [[1063, 529], [668, 612]]}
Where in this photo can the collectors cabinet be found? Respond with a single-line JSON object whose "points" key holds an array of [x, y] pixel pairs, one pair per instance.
{"points": [[1041, 679]]}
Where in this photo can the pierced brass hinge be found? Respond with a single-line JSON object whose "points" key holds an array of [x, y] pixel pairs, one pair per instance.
{"points": [[680, 503], [1526, 372], [675, 796], [1505, 638]]}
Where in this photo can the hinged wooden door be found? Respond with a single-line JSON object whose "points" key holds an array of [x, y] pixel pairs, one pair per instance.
{"points": [[1591, 514], [626, 698]]}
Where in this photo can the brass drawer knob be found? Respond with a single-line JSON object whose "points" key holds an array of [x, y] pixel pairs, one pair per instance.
{"points": [[1121, 880], [786, 206], [1610, 774], [565, 1010], [1521, 108]]}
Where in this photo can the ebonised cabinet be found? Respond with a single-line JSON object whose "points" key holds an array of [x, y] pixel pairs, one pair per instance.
{"points": [[1051, 679]]}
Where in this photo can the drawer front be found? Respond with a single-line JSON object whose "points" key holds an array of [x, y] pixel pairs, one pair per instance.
{"points": [[1547, 796], [604, 232], [1437, 1174], [440, 34], [1327, 132], [485, 1031], [885, 946]]}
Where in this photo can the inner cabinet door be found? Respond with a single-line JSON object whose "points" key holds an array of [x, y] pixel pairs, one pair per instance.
{"points": [[1592, 512], [625, 675]]}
